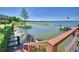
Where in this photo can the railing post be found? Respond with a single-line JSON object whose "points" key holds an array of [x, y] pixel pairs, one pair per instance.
{"points": [[18, 40], [73, 33], [51, 48], [55, 48]]}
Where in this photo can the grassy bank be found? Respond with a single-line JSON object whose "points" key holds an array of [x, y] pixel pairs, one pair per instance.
{"points": [[38, 24], [25, 27]]}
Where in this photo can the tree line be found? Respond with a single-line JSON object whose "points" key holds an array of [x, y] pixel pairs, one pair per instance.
{"points": [[23, 15]]}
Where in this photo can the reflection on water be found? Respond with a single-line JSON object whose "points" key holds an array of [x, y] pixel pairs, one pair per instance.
{"points": [[43, 32]]}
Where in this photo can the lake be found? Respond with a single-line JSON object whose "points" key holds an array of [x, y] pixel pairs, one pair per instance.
{"points": [[47, 30]]}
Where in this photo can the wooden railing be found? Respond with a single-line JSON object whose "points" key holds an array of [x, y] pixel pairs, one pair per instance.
{"points": [[63, 42], [59, 39]]}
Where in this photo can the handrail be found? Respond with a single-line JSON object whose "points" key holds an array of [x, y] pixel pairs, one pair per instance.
{"points": [[34, 43], [57, 40], [61, 37]]}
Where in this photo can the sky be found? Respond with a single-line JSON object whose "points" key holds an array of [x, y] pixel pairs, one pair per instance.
{"points": [[44, 13]]}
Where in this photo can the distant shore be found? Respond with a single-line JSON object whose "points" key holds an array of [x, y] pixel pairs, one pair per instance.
{"points": [[51, 21]]}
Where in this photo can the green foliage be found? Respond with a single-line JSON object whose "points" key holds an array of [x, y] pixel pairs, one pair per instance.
{"points": [[4, 37], [24, 14], [13, 18], [2, 17], [2, 25], [1, 22], [10, 19]]}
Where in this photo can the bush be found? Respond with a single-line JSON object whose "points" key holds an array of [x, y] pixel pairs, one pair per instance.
{"points": [[4, 38]]}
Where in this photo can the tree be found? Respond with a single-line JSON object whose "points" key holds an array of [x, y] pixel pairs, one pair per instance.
{"points": [[24, 14], [13, 18], [9, 19], [4, 18]]}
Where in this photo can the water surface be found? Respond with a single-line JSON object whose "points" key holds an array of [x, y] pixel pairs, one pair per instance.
{"points": [[47, 32]]}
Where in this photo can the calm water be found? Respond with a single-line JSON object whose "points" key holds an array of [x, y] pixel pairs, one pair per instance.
{"points": [[47, 32]]}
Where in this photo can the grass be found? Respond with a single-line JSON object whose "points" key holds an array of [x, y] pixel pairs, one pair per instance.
{"points": [[19, 23], [37, 24], [62, 45], [25, 27], [2, 25]]}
